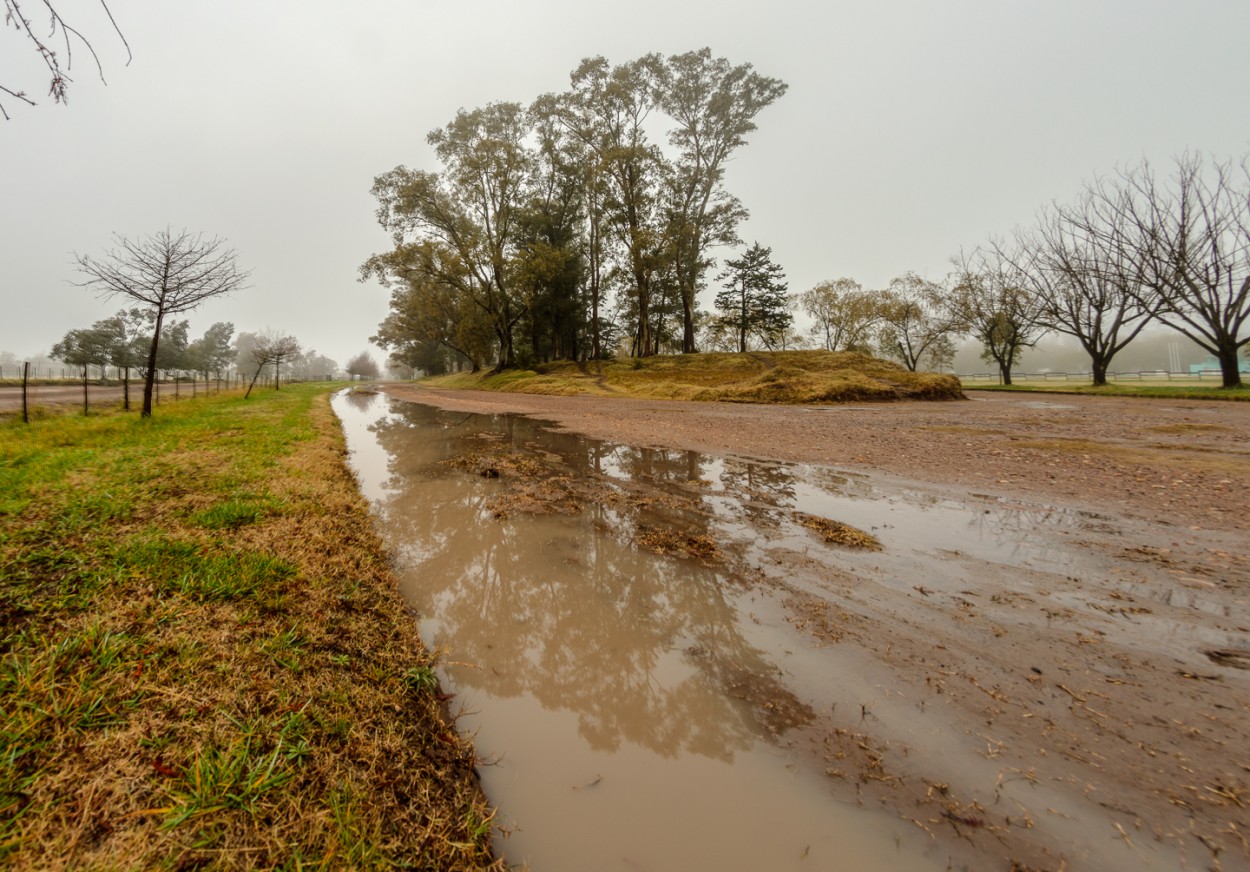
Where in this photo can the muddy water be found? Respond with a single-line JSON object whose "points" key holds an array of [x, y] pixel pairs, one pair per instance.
{"points": [[633, 710]]}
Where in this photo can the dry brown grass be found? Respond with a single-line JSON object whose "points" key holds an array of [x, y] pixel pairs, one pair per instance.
{"points": [[207, 664], [678, 543], [787, 377], [838, 533]]}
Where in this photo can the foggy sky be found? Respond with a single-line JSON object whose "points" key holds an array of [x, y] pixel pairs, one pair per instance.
{"points": [[910, 129]]}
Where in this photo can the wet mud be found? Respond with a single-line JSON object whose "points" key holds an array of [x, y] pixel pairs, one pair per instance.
{"points": [[672, 660]]}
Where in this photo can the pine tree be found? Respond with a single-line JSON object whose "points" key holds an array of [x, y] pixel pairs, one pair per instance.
{"points": [[753, 301]]}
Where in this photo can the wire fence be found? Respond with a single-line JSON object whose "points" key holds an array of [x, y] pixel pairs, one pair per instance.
{"points": [[28, 391], [1155, 376]]}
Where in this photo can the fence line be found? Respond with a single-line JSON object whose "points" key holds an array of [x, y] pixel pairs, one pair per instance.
{"points": [[25, 388], [1141, 375], [13, 372]]}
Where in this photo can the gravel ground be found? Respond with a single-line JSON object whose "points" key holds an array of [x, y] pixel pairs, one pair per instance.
{"points": [[1083, 708]]}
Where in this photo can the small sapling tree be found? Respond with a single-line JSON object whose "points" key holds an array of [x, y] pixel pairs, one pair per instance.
{"points": [[165, 273]]}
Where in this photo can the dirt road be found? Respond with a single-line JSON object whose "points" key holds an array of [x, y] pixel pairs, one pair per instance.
{"points": [[1079, 703], [1180, 462]]}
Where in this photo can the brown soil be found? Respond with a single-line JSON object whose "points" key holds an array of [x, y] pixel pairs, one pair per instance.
{"points": [[1020, 715], [1185, 461]]}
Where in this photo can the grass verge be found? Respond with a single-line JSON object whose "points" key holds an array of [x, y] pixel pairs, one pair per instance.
{"points": [[1168, 392], [203, 658], [793, 377]]}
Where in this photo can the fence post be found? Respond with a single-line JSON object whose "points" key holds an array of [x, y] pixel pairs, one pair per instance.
{"points": [[25, 379], [85, 407]]}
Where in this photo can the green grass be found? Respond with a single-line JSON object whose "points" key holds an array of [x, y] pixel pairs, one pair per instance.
{"points": [[203, 659], [1170, 392], [806, 377]]}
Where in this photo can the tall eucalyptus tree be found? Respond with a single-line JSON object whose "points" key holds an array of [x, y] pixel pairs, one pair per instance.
{"points": [[607, 111], [713, 105], [471, 209]]}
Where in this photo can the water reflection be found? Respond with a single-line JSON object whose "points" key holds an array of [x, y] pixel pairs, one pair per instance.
{"points": [[534, 578], [622, 692], [562, 608]]}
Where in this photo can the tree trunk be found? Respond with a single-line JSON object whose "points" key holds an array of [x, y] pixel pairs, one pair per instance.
{"points": [[149, 380], [1230, 366], [687, 324], [642, 343], [1099, 367], [742, 322], [1004, 373], [253, 384], [595, 351]]}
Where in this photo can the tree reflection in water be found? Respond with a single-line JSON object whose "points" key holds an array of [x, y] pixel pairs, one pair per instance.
{"points": [[643, 648]]}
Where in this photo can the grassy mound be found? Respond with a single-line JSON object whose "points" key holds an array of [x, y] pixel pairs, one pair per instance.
{"points": [[783, 377]]}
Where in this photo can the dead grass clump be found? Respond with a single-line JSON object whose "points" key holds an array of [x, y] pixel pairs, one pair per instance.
{"points": [[837, 533], [673, 542], [555, 495], [497, 463]]}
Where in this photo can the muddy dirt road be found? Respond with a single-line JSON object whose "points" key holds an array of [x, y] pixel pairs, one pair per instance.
{"points": [[1047, 664]]}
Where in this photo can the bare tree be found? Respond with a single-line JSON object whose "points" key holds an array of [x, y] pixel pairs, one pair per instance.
{"points": [[60, 34], [270, 347], [1188, 240], [1078, 265], [992, 302], [166, 273]]}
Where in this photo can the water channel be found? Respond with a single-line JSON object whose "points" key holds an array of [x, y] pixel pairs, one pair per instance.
{"points": [[634, 693]]}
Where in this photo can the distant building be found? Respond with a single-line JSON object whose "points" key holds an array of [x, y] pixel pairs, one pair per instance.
{"points": [[1213, 365]]}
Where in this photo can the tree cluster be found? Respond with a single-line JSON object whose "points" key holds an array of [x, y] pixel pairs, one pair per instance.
{"points": [[124, 341], [562, 230], [908, 321], [166, 274], [1130, 250]]}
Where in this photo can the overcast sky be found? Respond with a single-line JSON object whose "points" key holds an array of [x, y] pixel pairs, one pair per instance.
{"points": [[910, 129]]}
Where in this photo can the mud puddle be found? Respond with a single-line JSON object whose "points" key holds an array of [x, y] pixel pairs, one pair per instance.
{"points": [[646, 645]]}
